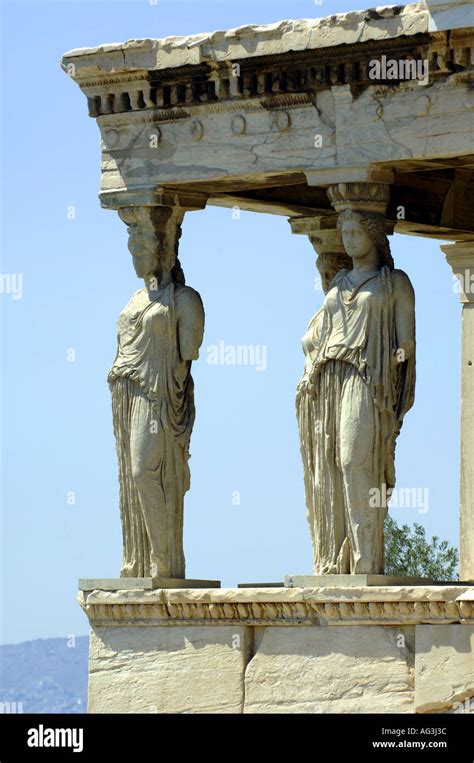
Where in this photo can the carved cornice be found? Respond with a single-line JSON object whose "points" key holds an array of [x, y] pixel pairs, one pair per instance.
{"points": [[302, 73], [279, 606], [117, 79], [348, 51]]}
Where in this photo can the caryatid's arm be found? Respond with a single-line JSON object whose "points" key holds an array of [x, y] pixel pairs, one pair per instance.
{"points": [[404, 355], [190, 323], [404, 317]]}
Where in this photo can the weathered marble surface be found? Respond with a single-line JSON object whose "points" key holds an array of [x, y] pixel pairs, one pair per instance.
{"points": [[281, 650], [167, 670], [341, 671], [444, 666], [118, 584], [381, 124], [352, 581], [371, 605], [251, 40]]}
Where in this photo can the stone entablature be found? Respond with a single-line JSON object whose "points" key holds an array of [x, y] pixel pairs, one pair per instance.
{"points": [[264, 117], [291, 74]]}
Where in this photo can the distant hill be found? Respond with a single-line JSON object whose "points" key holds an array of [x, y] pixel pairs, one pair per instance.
{"points": [[46, 675]]}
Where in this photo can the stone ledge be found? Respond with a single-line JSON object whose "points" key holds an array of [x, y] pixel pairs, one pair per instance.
{"points": [[234, 44], [282, 606], [140, 584], [352, 581]]}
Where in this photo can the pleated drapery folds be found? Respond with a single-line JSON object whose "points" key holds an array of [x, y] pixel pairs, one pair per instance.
{"points": [[350, 407], [153, 416]]}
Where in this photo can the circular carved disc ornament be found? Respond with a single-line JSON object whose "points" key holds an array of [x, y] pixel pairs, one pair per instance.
{"points": [[196, 129], [111, 138], [238, 124], [281, 121]]}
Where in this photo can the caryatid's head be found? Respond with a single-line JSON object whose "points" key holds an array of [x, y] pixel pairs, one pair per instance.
{"points": [[364, 233], [154, 234]]}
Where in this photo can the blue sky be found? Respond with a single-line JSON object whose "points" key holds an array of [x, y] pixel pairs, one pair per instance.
{"points": [[257, 283]]}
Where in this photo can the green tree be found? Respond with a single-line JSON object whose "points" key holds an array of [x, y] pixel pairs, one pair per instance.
{"points": [[409, 553]]}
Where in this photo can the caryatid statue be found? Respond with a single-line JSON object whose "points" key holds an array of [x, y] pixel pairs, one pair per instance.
{"points": [[328, 263], [160, 332], [358, 383]]}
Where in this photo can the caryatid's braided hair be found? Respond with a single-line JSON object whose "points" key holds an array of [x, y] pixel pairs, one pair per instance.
{"points": [[150, 232], [177, 272], [334, 261], [171, 228]]}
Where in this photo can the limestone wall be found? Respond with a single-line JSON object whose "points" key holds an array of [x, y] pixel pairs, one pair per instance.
{"points": [[389, 650]]}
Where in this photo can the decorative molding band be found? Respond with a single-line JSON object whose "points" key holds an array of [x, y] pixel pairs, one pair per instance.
{"points": [[303, 73], [257, 607], [150, 116]]}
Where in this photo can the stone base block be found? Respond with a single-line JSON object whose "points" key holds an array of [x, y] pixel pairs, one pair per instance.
{"points": [[261, 585], [144, 584], [157, 669], [353, 581], [331, 670], [444, 666], [389, 649]]}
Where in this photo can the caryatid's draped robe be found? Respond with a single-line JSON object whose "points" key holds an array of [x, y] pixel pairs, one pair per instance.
{"points": [[159, 333], [350, 417]]}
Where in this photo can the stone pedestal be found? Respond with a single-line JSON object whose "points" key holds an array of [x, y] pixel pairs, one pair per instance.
{"points": [[145, 584], [351, 581], [285, 650]]}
